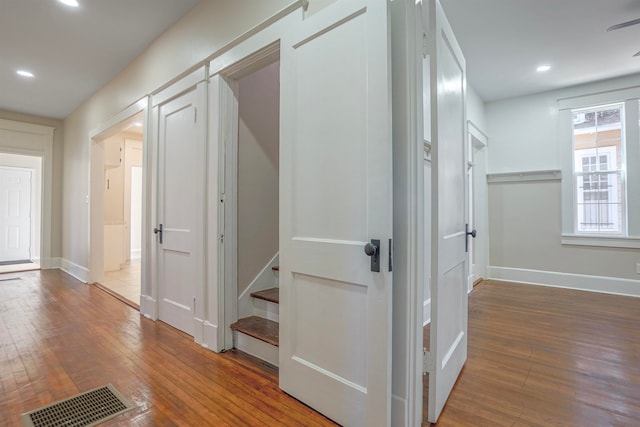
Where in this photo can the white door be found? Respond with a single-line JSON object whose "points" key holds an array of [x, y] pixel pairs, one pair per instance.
{"points": [[448, 339], [181, 157], [15, 213], [336, 195]]}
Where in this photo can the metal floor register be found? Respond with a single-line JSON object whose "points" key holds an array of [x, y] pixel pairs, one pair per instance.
{"points": [[84, 410]]}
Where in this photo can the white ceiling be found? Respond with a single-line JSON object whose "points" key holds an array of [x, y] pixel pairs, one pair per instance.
{"points": [[73, 51], [505, 40]]}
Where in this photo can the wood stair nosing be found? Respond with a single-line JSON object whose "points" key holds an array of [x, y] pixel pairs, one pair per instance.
{"points": [[271, 295], [259, 328]]}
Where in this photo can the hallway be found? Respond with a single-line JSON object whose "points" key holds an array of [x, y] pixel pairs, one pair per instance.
{"points": [[60, 337]]}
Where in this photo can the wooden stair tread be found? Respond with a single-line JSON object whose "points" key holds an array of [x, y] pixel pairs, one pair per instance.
{"points": [[272, 295], [259, 328]]}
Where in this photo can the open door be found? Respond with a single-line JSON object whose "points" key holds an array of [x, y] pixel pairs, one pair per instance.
{"points": [[448, 336], [336, 197]]}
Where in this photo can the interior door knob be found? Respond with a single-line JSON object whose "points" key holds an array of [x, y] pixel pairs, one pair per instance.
{"points": [[471, 233], [370, 249]]}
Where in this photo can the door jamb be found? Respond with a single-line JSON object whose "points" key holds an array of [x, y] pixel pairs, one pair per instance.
{"points": [[45, 152], [477, 141], [96, 195], [227, 85]]}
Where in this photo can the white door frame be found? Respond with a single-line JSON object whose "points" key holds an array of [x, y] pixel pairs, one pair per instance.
{"points": [[477, 140], [36, 141], [253, 53], [96, 192]]}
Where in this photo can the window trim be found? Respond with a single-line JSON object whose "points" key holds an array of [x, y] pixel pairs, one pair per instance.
{"points": [[631, 184]]}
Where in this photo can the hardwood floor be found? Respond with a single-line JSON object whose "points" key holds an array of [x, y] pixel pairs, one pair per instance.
{"points": [[537, 357], [59, 337], [548, 357]]}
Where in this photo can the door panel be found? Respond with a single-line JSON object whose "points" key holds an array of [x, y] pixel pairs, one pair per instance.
{"points": [[180, 210], [448, 336], [336, 195], [15, 213]]}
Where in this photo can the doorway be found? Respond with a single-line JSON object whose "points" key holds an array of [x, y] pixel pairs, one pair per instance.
{"points": [[117, 166], [20, 212], [252, 210]]}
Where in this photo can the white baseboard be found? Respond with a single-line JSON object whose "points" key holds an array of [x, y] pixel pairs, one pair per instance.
{"points": [[211, 337], [198, 331], [50, 263], [257, 348], [148, 307], [426, 319], [264, 280], [398, 411], [79, 272], [583, 282]]}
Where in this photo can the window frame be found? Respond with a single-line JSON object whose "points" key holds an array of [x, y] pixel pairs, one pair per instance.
{"points": [[630, 235], [597, 151]]}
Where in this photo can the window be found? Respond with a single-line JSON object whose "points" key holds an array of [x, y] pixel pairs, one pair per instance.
{"points": [[599, 170]]}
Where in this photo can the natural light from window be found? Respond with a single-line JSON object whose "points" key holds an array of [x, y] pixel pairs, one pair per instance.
{"points": [[599, 170]]}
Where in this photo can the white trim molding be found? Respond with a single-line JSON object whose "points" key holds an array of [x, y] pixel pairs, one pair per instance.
{"points": [[79, 272], [601, 241], [582, 282], [427, 312], [525, 176], [50, 263]]}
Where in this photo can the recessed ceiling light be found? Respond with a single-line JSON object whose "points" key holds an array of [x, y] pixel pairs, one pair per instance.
{"points": [[543, 68], [72, 3], [25, 73]]}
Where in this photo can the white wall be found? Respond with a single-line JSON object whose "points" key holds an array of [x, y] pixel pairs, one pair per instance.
{"points": [[56, 185], [525, 217], [258, 187], [208, 27]]}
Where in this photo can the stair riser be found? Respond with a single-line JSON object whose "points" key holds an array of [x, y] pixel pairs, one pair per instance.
{"points": [[267, 309], [257, 348]]}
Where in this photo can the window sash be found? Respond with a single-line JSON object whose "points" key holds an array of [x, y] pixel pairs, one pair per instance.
{"points": [[598, 175]]}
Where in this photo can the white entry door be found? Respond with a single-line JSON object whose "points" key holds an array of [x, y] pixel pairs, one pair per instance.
{"points": [[336, 195], [15, 213], [448, 334], [180, 215]]}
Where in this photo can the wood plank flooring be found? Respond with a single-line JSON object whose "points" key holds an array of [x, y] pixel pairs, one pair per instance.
{"points": [[59, 337], [537, 357], [541, 356]]}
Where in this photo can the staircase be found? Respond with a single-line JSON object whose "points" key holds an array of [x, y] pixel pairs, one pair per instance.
{"points": [[258, 334]]}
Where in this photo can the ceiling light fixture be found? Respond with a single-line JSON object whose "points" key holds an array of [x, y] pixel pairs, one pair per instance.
{"points": [[25, 73], [543, 68], [72, 3]]}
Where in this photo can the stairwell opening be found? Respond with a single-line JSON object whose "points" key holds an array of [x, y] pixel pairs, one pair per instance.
{"points": [[255, 325]]}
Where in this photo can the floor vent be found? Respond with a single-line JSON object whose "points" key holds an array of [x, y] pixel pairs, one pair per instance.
{"points": [[84, 410]]}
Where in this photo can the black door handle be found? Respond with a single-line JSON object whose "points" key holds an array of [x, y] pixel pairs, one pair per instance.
{"points": [[158, 230], [471, 233], [373, 250]]}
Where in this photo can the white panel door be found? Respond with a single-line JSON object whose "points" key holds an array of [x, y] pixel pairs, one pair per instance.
{"points": [[15, 213], [336, 195], [448, 339], [181, 169]]}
